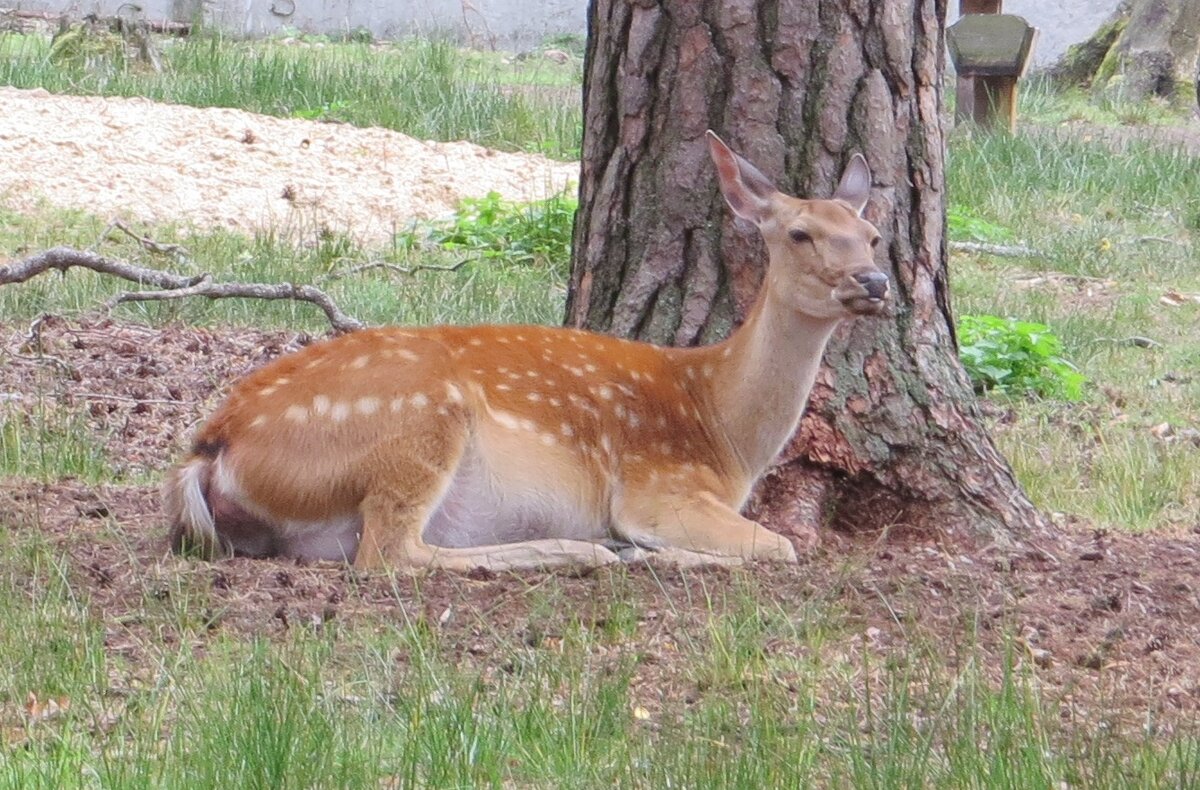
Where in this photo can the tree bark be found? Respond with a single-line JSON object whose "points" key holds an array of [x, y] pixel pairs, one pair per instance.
{"points": [[892, 437], [1146, 48]]}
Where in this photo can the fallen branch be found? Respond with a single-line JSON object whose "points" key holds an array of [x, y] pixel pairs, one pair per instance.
{"points": [[392, 267], [1003, 250], [171, 286], [177, 251]]}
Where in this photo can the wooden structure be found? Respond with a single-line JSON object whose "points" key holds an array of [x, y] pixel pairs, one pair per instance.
{"points": [[990, 52]]}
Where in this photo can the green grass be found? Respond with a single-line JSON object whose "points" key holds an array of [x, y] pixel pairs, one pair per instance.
{"points": [[426, 89], [1114, 231], [1040, 102], [774, 698], [482, 290]]}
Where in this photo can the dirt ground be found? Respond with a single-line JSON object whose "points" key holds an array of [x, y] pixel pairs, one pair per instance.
{"points": [[1110, 623], [215, 167]]}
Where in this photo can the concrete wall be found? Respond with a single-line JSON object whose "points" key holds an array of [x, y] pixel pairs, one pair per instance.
{"points": [[499, 24], [502, 24]]}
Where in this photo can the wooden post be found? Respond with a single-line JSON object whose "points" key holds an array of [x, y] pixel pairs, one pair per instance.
{"points": [[990, 53], [995, 102], [964, 88]]}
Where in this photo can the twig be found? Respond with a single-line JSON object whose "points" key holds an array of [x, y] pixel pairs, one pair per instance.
{"points": [[171, 286], [1159, 239], [392, 267], [126, 399], [177, 251], [1004, 250]]}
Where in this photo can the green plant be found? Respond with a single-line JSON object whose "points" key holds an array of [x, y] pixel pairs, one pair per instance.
{"points": [[963, 224], [493, 228], [1016, 357]]}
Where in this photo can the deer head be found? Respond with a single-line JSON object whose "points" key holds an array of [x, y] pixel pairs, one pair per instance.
{"points": [[821, 251]]}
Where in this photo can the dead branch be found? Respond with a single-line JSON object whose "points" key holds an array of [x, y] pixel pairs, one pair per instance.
{"points": [[170, 286], [1003, 250], [177, 251], [392, 267]]}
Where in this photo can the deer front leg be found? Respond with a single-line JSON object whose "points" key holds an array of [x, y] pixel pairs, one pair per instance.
{"points": [[684, 524]]}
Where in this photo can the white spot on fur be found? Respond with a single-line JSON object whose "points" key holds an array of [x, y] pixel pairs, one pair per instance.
{"points": [[506, 420], [405, 354], [360, 362], [604, 391], [520, 337], [661, 421], [296, 413], [708, 371], [475, 341], [340, 411], [502, 339], [320, 405], [727, 351], [566, 429], [548, 439], [265, 391], [453, 393], [366, 406], [528, 425], [634, 419], [555, 402], [503, 387], [258, 421], [605, 443], [534, 397], [397, 405], [420, 400], [590, 368], [620, 411]]}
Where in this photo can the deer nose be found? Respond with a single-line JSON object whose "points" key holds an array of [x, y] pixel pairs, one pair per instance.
{"points": [[875, 283]]}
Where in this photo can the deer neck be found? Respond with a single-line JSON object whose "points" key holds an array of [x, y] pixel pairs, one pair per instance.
{"points": [[761, 378]]}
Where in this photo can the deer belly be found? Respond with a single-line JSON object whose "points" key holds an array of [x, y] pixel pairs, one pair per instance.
{"points": [[501, 495]]}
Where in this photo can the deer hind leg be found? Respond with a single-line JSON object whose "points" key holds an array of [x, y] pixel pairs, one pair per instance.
{"points": [[402, 499], [694, 528]]}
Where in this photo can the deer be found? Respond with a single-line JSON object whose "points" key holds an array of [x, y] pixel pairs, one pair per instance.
{"points": [[513, 447]]}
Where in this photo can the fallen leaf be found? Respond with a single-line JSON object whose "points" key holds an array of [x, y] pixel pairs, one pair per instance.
{"points": [[1162, 431], [1173, 298], [42, 710], [640, 713]]}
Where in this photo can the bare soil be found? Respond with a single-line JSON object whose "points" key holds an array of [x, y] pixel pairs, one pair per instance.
{"points": [[222, 168], [1110, 623]]}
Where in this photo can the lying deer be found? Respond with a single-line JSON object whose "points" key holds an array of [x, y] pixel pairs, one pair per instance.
{"points": [[529, 446]]}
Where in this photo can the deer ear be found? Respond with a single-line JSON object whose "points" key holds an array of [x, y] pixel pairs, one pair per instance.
{"points": [[855, 186], [747, 191]]}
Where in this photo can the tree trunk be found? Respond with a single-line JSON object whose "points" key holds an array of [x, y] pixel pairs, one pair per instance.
{"points": [[892, 437], [1146, 48]]}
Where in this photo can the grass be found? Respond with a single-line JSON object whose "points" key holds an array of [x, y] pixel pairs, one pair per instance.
{"points": [[775, 698], [1114, 233], [426, 89], [160, 692]]}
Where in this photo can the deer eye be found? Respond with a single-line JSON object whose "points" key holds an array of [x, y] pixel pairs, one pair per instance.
{"points": [[799, 236], [875, 242]]}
